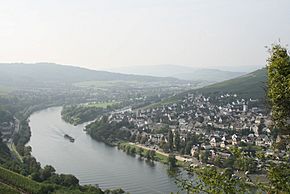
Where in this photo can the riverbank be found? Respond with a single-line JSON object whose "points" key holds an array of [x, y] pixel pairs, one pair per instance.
{"points": [[158, 156]]}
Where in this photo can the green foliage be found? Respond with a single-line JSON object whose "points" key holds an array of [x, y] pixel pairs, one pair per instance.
{"points": [[110, 133], [172, 161], [177, 140], [6, 189], [150, 154], [5, 116], [170, 140], [279, 87], [5, 155], [77, 114], [11, 182], [211, 180], [19, 181], [204, 154], [247, 86], [163, 130], [47, 172], [114, 191], [246, 164], [23, 135], [278, 175]]}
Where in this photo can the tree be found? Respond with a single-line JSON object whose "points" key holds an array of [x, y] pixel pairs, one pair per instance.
{"points": [[138, 138], [150, 154], [172, 161], [177, 140], [69, 180], [133, 137], [204, 156], [278, 174], [279, 99], [132, 150], [188, 147], [143, 139], [166, 147], [140, 152], [170, 140], [279, 87], [212, 181], [218, 161], [47, 172]]}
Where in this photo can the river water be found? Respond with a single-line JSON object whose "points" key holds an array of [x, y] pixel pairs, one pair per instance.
{"points": [[93, 162]]}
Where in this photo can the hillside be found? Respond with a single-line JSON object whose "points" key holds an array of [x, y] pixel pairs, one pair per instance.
{"points": [[19, 74], [14, 183], [181, 72], [208, 75], [249, 85]]}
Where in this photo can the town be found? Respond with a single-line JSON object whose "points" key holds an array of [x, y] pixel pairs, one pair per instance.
{"points": [[225, 131]]}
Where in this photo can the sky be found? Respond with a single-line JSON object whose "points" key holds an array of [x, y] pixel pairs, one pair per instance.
{"points": [[100, 34]]}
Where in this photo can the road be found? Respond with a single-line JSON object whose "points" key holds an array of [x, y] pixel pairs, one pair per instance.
{"points": [[10, 143]]}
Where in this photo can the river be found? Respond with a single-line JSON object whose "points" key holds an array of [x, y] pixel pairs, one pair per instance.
{"points": [[90, 161]]}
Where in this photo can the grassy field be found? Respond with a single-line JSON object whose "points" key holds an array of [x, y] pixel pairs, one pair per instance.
{"points": [[159, 156], [166, 101], [5, 90], [103, 84], [99, 104]]}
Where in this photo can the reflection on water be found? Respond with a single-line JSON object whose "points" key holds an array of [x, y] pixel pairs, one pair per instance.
{"points": [[93, 162]]}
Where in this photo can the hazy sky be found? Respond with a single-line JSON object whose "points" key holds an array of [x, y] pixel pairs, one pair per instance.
{"points": [[102, 33]]}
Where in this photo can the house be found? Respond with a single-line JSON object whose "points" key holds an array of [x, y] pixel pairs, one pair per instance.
{"points": [[206, 146], [213, 142], [235, 139], [259, 142], [255, 129], [223, 155], [263, 140], [194, 150]]}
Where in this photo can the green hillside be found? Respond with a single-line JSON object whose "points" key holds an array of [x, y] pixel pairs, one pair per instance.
{"points": [[251, 85], [13, 183], [19, 74], [18, 182]]}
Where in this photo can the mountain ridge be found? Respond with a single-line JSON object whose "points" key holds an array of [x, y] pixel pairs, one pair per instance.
{"points": [[23, 73], [210, 75]]}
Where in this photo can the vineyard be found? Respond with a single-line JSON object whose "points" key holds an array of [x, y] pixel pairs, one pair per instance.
{"points": [[7, 189], [17, 181]]}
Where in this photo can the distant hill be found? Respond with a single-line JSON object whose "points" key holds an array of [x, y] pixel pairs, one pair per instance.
{"points": [[249, 85], [181, 72], [209, 75], [21, 74]]}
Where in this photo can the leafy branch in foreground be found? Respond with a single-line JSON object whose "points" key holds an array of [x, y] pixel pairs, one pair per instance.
{"points": [[214, 181], [279, 178], [279, 87]]}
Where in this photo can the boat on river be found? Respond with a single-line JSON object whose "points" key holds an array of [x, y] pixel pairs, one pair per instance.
{"points": [[70, 138]]}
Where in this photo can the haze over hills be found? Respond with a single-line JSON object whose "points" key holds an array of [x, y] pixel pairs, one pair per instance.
{"points": [[21, 74], [181, 72]]}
